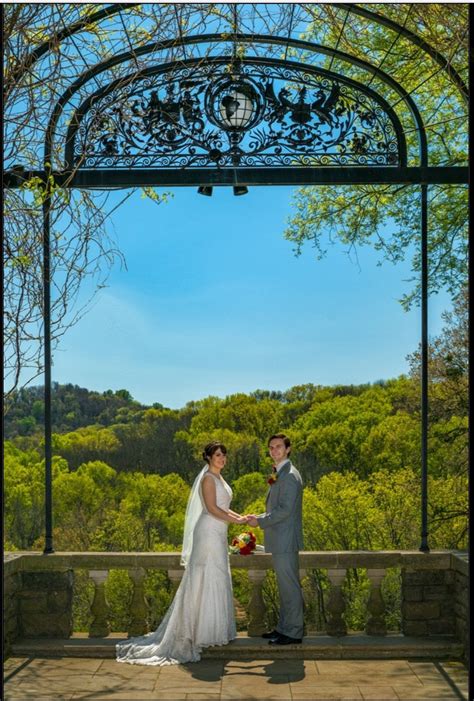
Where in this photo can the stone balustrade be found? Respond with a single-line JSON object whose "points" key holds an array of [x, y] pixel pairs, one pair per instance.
{"points": [[39, 590]]}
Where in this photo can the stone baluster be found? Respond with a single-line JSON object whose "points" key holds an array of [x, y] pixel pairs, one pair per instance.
{"points": [[138, 606], [175, 577], [306, 602], [100, 627], [376, 605], [336, 604], [256, 625]]}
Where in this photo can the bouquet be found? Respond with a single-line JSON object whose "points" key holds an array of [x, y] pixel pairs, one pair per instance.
{"points": [[243, 544]]}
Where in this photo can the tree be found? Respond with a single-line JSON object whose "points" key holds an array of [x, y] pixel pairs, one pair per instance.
{"points": [[91, 443], [40, 61], [448, 388], [387, 217]]}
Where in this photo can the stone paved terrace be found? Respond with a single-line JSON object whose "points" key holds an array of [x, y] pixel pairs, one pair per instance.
{"points": [[425, 660], [66, 678]]}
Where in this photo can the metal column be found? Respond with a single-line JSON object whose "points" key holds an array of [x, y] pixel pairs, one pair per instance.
{"points": [[48, 496], [424, 369]]}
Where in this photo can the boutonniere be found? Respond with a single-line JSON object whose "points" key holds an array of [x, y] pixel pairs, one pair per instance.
{"points": [[273, 477]]}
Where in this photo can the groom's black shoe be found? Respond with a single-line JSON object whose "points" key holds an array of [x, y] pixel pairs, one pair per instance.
{"points": [[284, 640], [272, 635]]}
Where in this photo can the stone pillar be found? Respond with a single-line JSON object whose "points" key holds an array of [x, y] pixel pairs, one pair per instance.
{"points": [[376, 606], [175, 577], [138, 606], [100, 627], [427, 602], [336, 605], [257, 610], [45, 604]]}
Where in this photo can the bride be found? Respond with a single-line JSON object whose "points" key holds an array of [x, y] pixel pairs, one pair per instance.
{"points": [[202, 611]]}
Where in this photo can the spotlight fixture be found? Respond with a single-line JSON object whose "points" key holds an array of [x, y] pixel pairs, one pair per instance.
{"points": [[240, 190], [205, 190]]}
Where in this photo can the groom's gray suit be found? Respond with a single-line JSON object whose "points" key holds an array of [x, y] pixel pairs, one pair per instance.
{"points": [[283, 537]]}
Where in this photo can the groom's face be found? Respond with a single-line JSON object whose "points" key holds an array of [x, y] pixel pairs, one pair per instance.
{"points": [[278, 450]]}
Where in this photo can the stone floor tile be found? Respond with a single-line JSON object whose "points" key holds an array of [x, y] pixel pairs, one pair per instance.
{"points": [[426, 693], [378, 693], [332, 679], [249, 695], [439, 670], [324, 693], [255, 678], [263, 686], [89, 664], [185, 677], [359, 679], [180, 672], [125, 696], [45, 687], [341, 667], [114, 667], [272, 667], [109, 682], [198, 687], [50, 676], [14, 662], [243, 692], [34, 695]]}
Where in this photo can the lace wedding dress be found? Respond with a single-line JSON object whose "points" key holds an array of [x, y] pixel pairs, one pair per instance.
{"points": [[202, 611]]}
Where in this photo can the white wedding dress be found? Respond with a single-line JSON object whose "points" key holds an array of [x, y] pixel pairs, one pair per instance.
{"points": [[202, 611]]}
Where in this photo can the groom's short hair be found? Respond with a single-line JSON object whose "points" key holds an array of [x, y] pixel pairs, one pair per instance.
{"points": [[283, 437]]}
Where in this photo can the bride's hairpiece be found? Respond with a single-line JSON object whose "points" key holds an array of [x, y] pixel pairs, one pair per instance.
{"points": [[211, 448]]}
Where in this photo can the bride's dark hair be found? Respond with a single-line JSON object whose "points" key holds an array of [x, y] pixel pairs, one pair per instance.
{"points": [[211, 448]]}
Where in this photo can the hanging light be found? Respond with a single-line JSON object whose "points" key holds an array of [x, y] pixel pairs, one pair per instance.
{"points": [[205, 190], [240, 190]]}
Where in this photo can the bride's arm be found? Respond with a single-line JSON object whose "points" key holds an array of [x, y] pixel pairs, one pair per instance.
{"points": [[209, 496]]}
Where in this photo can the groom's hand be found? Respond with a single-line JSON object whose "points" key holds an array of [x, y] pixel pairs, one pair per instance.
{"points": [[252, 519]]}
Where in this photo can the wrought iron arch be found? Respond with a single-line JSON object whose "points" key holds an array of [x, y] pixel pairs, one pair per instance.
{"points": [[259, 39]]}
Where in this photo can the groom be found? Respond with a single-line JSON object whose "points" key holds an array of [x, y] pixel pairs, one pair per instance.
{"points": [[283, 535]]}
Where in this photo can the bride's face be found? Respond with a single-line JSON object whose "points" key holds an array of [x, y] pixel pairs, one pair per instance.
{"points": [[218, 459]]}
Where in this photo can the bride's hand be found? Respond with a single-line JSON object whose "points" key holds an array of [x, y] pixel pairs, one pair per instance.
{"points": [[241, 520]]}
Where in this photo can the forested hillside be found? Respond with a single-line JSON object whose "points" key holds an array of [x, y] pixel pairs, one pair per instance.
{"points": [[366, 436], [73, 407]]}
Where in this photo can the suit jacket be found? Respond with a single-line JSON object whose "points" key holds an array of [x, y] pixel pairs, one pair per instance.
{"points": [[282, 522]]}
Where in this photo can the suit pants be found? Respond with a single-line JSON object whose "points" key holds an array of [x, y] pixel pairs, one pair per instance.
{"points": [[286, 567]]}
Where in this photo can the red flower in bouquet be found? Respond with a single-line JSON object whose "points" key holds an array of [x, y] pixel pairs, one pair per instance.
{"points": [[243, 544]]}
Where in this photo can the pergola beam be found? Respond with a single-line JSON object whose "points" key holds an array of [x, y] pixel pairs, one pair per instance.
{"points": [[173, 177]]}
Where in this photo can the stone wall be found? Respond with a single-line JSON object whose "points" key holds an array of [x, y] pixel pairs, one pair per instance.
{"points": [[460, 567], [428, 602], [11, 583], [45, 604]]}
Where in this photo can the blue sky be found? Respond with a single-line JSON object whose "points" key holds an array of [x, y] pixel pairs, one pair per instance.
{"points": [[215, 302]]}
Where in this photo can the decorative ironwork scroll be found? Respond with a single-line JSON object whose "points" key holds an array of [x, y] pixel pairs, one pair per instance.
{"points": [[258, 114]]}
